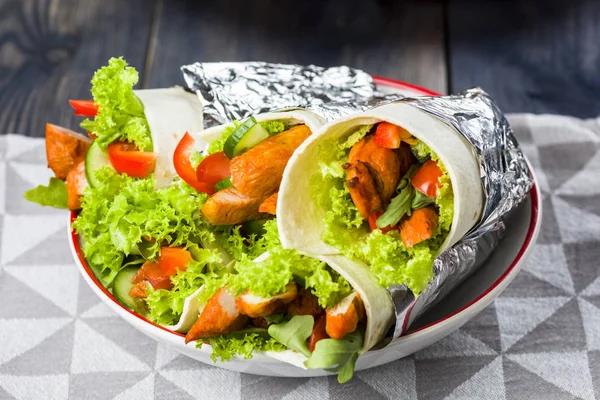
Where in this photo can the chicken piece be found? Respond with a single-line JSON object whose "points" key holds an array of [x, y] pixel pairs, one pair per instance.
{"points": [[256, 306], [419, 226], [305, 303], [220, 315], [270, 204], [230, 206], [64, 149], [343, 318], [76, 183], [318, 333], [385, 165], [363, 189], [258, 172]]}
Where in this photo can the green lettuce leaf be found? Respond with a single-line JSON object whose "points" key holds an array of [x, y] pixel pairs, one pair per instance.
{"points": [[166, 306], [242, 343], [337, 355], [121, 212], [421, 200], [294, 333], [389, 260], [273, 127], [401, 204], [270, 277], [120, 112], [53, 195]]}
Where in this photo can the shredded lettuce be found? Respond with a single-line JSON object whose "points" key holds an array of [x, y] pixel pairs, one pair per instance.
{"points": [[389, 260], [244, 344], [120, 213], [273, 127], [53, 195], [120, 111]]}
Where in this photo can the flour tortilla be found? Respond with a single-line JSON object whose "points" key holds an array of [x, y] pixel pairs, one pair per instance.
{"points": [[379, 308], [170, 113], [300, 220], [291, 117]]}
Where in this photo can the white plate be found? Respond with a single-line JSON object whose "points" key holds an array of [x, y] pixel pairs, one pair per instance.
{"points": [[464, 303]]}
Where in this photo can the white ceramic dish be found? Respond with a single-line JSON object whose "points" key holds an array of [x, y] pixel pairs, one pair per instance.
{"points": [[464, 303]]}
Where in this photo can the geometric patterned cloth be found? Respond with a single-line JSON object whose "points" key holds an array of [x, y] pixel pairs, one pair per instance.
{"points": [[539, 339]]}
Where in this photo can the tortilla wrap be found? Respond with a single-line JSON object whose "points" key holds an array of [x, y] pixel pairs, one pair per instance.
{"points": [[300, 220], [291, 117], [378, 305], [170, 114]]}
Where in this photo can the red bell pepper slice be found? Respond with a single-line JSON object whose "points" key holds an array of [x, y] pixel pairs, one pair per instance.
{"points": [[390, 136], [127, 159], [172, 259], [84, 108], [427, 178], [185, 169], [213, 169]]}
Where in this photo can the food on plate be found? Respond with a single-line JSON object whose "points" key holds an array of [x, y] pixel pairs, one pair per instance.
{"points": [[242, 163], [389, 188], [131, 131], [192, 244]]}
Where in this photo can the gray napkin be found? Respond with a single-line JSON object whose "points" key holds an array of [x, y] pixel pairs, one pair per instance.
{"points": [[539, 339]]}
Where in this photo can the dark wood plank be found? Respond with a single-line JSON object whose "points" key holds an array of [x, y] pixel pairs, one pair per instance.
{"points": [[402, 40], [532, 56], [49, 51]]}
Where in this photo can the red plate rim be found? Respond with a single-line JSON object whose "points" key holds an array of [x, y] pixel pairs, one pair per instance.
{"points": [[382, 82]]}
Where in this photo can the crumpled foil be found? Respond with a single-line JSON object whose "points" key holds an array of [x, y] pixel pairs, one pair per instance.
{"points": [[238, 90]]}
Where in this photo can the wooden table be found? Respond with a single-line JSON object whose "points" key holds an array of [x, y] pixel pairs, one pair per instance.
{"points": [[533, 56]]}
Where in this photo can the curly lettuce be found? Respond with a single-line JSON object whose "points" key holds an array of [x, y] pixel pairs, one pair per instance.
{"points": [[273, 127], [122, 215], [389, 260], [53, 195], [120, 112], [243, 344], [270, 277]]}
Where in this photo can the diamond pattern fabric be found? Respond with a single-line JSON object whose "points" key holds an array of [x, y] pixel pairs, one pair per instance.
{"points": [[539, 339]]}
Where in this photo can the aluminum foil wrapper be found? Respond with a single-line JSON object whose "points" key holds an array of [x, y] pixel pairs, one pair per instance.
{"points": [[238, 90]]}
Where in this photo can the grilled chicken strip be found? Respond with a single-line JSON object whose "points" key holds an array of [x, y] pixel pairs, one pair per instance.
{"points": [[258, 172], [219, 316], [230, 206], [385, 165], [64, 149], [305, 303], [363, 189], [343, 318], [256, 306], [270, 205]]}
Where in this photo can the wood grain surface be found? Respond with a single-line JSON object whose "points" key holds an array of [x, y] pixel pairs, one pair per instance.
{"points": [[532, 56], [49, 50], [401, 40]]}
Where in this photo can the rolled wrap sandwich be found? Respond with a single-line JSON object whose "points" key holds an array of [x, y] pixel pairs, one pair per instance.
{"points": [[133, 132], [312, 313], [236, 174], [391, 188]]}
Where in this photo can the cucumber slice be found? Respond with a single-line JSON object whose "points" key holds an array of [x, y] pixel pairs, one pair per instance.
{"points": [[95, 159], [122, 285], [246, 136]]}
